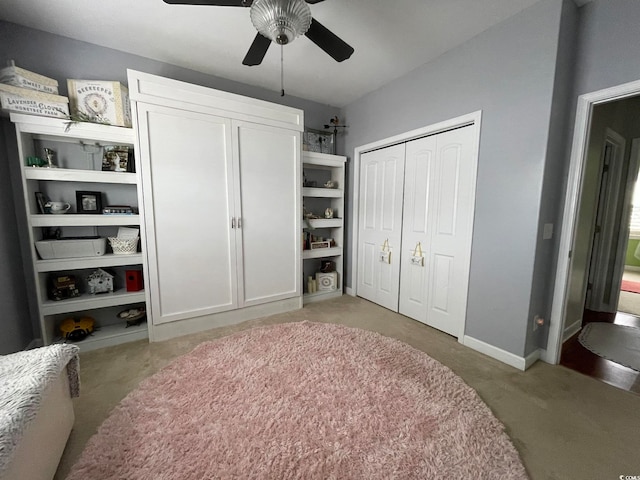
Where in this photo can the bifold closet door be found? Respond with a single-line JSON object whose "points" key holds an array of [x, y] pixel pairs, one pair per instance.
{"points": [[187, 181], [437, 227], [380, 225]]}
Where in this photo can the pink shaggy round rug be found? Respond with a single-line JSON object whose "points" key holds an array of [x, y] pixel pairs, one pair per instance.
{"points": [[301, 401]]}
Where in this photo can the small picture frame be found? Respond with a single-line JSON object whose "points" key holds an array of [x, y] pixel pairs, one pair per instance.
{"points": [[117, 158], [41, 201], [88, 202]]}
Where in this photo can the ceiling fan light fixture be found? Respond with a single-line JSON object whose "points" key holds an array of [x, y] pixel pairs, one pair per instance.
{"points": [[281, 20]]}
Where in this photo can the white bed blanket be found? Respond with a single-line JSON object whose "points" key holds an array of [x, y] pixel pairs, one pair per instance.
{"points": [[24, 379]]}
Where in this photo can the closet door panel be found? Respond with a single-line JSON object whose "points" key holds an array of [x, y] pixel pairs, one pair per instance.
{"points": [[368, 265], [448, 189], [450, 240], [188, 187], [380, 225], [417, 215], [269, 202], [441, 273]]}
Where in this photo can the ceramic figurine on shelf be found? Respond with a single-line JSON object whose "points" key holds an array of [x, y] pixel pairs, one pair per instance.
{"points": [[328, 213], [48, 153]]}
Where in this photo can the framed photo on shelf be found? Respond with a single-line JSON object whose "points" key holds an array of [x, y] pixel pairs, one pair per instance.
{"points": [[41, 200], [88, 202], [117, 158], [318, 141]]}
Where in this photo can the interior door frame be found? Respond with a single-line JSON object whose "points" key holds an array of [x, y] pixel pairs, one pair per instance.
{"points": [[473, 118], [581, 133], [601, 249]]}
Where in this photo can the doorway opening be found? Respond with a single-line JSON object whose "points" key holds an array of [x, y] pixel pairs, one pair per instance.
{"points": [[597, 263]]}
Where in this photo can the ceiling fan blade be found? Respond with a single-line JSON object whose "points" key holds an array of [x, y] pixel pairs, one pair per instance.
{"points": [[337, 48], [312, 2], [257, 50], [216, 3]]}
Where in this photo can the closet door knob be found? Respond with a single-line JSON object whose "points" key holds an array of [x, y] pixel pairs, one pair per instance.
{"points": [[239, 222], [233, 222]]}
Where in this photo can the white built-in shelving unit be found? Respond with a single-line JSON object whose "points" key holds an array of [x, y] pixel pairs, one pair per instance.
{"points": [[318, 169], [79, 150]]}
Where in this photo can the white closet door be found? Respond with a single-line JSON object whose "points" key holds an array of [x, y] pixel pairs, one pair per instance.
{"points": [[380, 223], [187, 183], [446, 204], [417, 218], [270, 212]]}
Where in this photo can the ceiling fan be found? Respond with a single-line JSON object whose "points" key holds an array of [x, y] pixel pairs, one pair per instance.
{"points": [[281, 21]]}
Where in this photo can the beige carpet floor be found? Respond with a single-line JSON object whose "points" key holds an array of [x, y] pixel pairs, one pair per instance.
{"points": [[565, 425]]}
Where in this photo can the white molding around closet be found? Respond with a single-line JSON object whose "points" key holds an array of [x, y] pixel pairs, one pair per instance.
{"points": [[471, 119]]}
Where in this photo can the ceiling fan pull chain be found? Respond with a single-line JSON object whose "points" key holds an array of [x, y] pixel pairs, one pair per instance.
{"points": [[282, 70]]}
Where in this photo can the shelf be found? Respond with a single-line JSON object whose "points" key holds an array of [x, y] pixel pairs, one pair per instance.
{"points": [[320, 296], [89, 302], [59, 130], [322, 252], [74, 175], [76, 142], [79, 220], [111, 335], [107, 260], [323, 223], [321, 192], [322, 161]]}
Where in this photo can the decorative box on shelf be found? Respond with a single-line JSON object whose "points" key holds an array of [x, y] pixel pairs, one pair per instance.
{"points": [[327, 281], [26, 100], [103, 100], [19, 77], [318, 141], [100, 281], [323, 244]]}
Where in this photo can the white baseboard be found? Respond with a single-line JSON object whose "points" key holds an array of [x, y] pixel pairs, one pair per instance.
{"points": [[165, 331], [571, 330], [521, 363], [532, 358], [548, 356], [350, 291]]}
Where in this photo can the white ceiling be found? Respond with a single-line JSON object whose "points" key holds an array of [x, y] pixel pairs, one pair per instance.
{"points": [[390, 38]]}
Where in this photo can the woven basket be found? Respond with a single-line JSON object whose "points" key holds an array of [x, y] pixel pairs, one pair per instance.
{"points": [[124, 246]]}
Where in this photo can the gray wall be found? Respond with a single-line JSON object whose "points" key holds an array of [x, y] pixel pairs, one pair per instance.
{"points": [[607, 54], [609, 40], [62, 58], [558, 152], [508, 73]]}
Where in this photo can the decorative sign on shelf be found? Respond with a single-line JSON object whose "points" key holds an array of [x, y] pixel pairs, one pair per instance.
{"points": [[318, 141]]}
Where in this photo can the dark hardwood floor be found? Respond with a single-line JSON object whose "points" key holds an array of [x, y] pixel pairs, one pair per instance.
{"points": [[578, 358]]}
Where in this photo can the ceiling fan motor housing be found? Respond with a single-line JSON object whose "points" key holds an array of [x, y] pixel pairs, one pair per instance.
{"points": [[281, 20]]}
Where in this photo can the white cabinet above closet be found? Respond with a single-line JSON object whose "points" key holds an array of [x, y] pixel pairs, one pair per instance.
{"points": [[221, 188]]}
